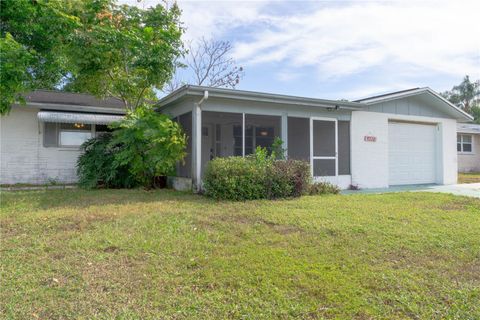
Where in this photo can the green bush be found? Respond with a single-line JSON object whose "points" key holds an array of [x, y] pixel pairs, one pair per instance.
{"points": [[323, 188], [235, 178], [142, 146], [151, 144], [259, 176], [97, 167]]}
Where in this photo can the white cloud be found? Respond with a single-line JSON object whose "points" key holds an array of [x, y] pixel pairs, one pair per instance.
{"points": [[441, 37], [408, 40]]}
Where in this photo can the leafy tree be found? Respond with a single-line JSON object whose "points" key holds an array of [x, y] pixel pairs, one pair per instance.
{"points": [[94, 46], [32, 47], [466, 95], [150, 144], [124, 51]]}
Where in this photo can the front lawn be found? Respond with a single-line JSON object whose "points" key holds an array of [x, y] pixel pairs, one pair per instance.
{"points": [[134, 254], [473, 177]]}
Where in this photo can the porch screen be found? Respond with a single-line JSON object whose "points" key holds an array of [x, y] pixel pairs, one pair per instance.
{"points": [[324, 150], [221, 135], [184, 169], [260, 131], [298, 139], [344, 147]]}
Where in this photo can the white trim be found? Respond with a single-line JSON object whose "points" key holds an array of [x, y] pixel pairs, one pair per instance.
{"points": [[243, 134], [69, 107], [394, 96], [312, 157]]}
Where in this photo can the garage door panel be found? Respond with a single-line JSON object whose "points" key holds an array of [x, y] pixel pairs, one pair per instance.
{"points": [[412, 150]]}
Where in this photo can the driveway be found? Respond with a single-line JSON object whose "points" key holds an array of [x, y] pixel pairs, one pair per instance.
{"points": [[467, 189]]}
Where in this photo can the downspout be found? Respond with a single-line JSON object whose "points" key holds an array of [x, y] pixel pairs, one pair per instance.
{"points": [[198, 141]]}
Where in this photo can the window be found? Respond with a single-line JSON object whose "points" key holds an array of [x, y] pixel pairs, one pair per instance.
{"points": [[464, 143], [70, 134], [73, 134]]}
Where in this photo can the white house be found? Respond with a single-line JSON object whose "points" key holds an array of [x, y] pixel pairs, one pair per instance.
{"points": [[39, 141], [468, 147], [406, 137], [401, 138]]}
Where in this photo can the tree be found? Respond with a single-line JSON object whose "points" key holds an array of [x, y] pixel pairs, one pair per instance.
{"points": [[124, 51], [32, 47], [466, 95], [211, 65], [93, 46]]}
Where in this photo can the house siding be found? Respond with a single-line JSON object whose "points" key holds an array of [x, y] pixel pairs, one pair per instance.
{"points": [[23, 159], [411, 106], [470, 162], [370, 162]]}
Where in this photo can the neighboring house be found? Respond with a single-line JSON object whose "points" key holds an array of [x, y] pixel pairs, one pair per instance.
{"points": [[401, 138], [468, 147], [39, 141]]}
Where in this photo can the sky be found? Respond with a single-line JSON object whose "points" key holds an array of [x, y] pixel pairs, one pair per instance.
{"points": [[341, 49]]}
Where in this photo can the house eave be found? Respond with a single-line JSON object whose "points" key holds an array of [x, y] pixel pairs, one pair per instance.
{"points": [[463, 116], [221, 93]]}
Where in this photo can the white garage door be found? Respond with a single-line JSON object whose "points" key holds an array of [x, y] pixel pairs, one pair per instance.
{"points": [[411, 153]]}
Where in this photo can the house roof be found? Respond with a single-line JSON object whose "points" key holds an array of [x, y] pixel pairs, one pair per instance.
{"points": [[453, 109], [59, 100], [387, 94], [198, 91], [468, 128]]}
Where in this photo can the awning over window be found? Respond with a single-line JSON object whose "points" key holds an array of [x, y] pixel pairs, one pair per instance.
{"points": [[88, 118]]}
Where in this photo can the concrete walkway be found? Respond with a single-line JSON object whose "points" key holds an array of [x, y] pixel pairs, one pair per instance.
{"points": [[469, 190]]}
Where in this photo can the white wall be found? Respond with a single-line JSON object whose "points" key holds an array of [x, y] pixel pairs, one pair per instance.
{"points": [[370, 159], [23, 159]]}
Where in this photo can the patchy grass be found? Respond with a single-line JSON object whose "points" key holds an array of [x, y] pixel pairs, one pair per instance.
{"points": [[127, 254], [473, 177]]}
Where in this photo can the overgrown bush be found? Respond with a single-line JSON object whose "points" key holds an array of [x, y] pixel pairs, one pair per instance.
{"points": [[259, 176], [97, 166], [151, 144], [323, 188], [142, 146]]}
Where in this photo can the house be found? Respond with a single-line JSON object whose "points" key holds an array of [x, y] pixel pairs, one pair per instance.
{"points": [[401, 138], [468, 147], [39, 141]]}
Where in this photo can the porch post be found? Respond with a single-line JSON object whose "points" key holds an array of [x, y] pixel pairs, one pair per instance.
{"points": [[197, 146], [284, 132]]}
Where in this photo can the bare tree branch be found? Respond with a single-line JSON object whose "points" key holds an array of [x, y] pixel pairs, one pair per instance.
{"points": [[211, 65]]}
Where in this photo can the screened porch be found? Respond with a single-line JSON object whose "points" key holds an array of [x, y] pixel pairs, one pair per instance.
{"points": [[323, 142]]}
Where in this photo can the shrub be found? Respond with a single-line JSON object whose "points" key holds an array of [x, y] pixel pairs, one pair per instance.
{"points": [[97, 168], [142, 147], [287, 178], [150, 144], [259, 176], [323, 188], [235, 178]]}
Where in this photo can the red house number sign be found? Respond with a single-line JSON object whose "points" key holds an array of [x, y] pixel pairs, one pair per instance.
{"points": [[370, 138]]}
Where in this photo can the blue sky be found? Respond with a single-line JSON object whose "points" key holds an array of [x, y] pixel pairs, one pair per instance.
{"points": [[341, 49]]}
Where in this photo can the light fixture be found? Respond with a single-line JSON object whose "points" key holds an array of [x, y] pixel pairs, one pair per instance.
{"points": [[78, 125], [263, 133]]}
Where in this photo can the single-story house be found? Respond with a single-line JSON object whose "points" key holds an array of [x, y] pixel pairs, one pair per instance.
{"points": [[39, 141], [405, 137], [468, 147], [400, 138]]}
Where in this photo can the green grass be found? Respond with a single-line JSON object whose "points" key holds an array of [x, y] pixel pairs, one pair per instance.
{"points": [[132, 254], [473, 177]]}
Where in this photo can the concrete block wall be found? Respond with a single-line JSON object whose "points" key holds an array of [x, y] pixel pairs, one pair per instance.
{"points": [[369, 160], [23, 159]]}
